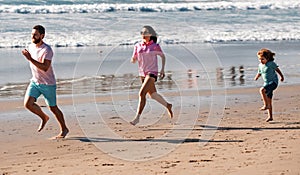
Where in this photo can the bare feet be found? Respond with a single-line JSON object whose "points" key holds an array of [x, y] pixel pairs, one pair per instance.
{"points": [[264, 108], [169, 107], [43, 123], [269, 119], [62, 134], [135, 121]]}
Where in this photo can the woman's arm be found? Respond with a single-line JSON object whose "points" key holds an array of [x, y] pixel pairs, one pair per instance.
{"points": [[163, 62], [133, 60]]}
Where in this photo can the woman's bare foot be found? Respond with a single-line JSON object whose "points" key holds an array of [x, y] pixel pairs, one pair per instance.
{"points": [[43, 123], [62, 134], [269, 119], [169, 107], [135, 121], [264, 108]]}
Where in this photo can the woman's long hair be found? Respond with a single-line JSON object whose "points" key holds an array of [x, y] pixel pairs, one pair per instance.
{"points": [[153, 36]]}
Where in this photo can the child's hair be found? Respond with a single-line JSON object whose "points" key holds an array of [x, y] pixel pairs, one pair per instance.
{"points": [[153, 36], [269, 55]]}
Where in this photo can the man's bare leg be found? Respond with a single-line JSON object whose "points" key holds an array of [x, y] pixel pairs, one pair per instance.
{"points": [[43, 123], [62, 134], [60, 118], [29, 103]]}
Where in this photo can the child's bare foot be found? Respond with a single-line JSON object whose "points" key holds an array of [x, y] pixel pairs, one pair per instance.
{"points": [[269, 119], [43, 123], [169, 107], [62, 134], [264, 108], [135, 121]]}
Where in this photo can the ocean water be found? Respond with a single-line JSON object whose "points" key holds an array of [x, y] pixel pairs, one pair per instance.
{"points": [[100, 22], [209, 44]]}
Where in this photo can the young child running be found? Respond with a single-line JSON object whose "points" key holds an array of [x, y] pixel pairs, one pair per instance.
{"points": [[146, 54], [267, 69]]}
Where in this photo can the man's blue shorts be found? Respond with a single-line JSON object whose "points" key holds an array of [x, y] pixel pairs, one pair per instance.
{"points": [[269, 89], [48, 91]]}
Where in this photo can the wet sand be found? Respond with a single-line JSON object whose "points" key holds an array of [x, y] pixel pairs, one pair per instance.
{"points": [[241, 142]]}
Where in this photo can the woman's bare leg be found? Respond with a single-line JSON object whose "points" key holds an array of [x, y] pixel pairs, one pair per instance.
{"points": [[161, 100], [147, 86]]}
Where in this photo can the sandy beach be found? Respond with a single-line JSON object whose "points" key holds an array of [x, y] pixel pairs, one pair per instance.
{"points": [[242, 142], [211, 59]]}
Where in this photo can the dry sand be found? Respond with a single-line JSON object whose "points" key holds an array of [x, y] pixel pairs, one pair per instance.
{"points": [[242, 143]]}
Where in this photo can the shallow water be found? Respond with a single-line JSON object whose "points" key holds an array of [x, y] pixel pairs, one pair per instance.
{"points": [[105, 69]]}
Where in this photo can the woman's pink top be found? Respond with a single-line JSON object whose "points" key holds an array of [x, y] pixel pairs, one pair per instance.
{"points": [[146, 55]]}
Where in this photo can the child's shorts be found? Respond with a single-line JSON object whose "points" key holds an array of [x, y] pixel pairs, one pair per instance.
{"points": [[269, 89], [48, 91]]}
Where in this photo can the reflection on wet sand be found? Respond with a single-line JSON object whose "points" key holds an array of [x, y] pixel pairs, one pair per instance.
{"points": [[242, 75], [231, 75], [220, 76], [99, 84], [191, 79], [115, 83]]}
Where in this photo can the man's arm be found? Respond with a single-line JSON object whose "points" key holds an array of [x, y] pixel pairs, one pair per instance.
{"points": [[43, 66]]}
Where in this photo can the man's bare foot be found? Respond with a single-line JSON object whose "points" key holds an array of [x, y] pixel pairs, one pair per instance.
{"points": [[264, 108], [135, 121], [269, 119], [43, 123], [169, 107], [62, 134]]}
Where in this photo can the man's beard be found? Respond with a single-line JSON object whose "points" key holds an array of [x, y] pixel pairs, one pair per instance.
{"points": [[35, 41]]}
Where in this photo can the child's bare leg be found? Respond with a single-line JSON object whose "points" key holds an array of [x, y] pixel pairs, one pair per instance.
{"points": [[270, 112], [265, 98], [30, 104]]}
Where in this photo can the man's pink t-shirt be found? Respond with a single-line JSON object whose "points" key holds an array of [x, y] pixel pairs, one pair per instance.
{"points": [[40, 54], [146, 54]]}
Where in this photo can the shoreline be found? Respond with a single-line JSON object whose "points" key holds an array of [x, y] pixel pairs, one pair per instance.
{"points": [[7, 105]]}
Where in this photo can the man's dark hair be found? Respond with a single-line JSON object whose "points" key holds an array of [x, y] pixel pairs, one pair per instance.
{"points": [[39, 28]]}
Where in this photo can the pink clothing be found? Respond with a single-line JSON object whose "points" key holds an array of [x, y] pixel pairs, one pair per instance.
{"points": [[146, 55], [39, 54]]}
